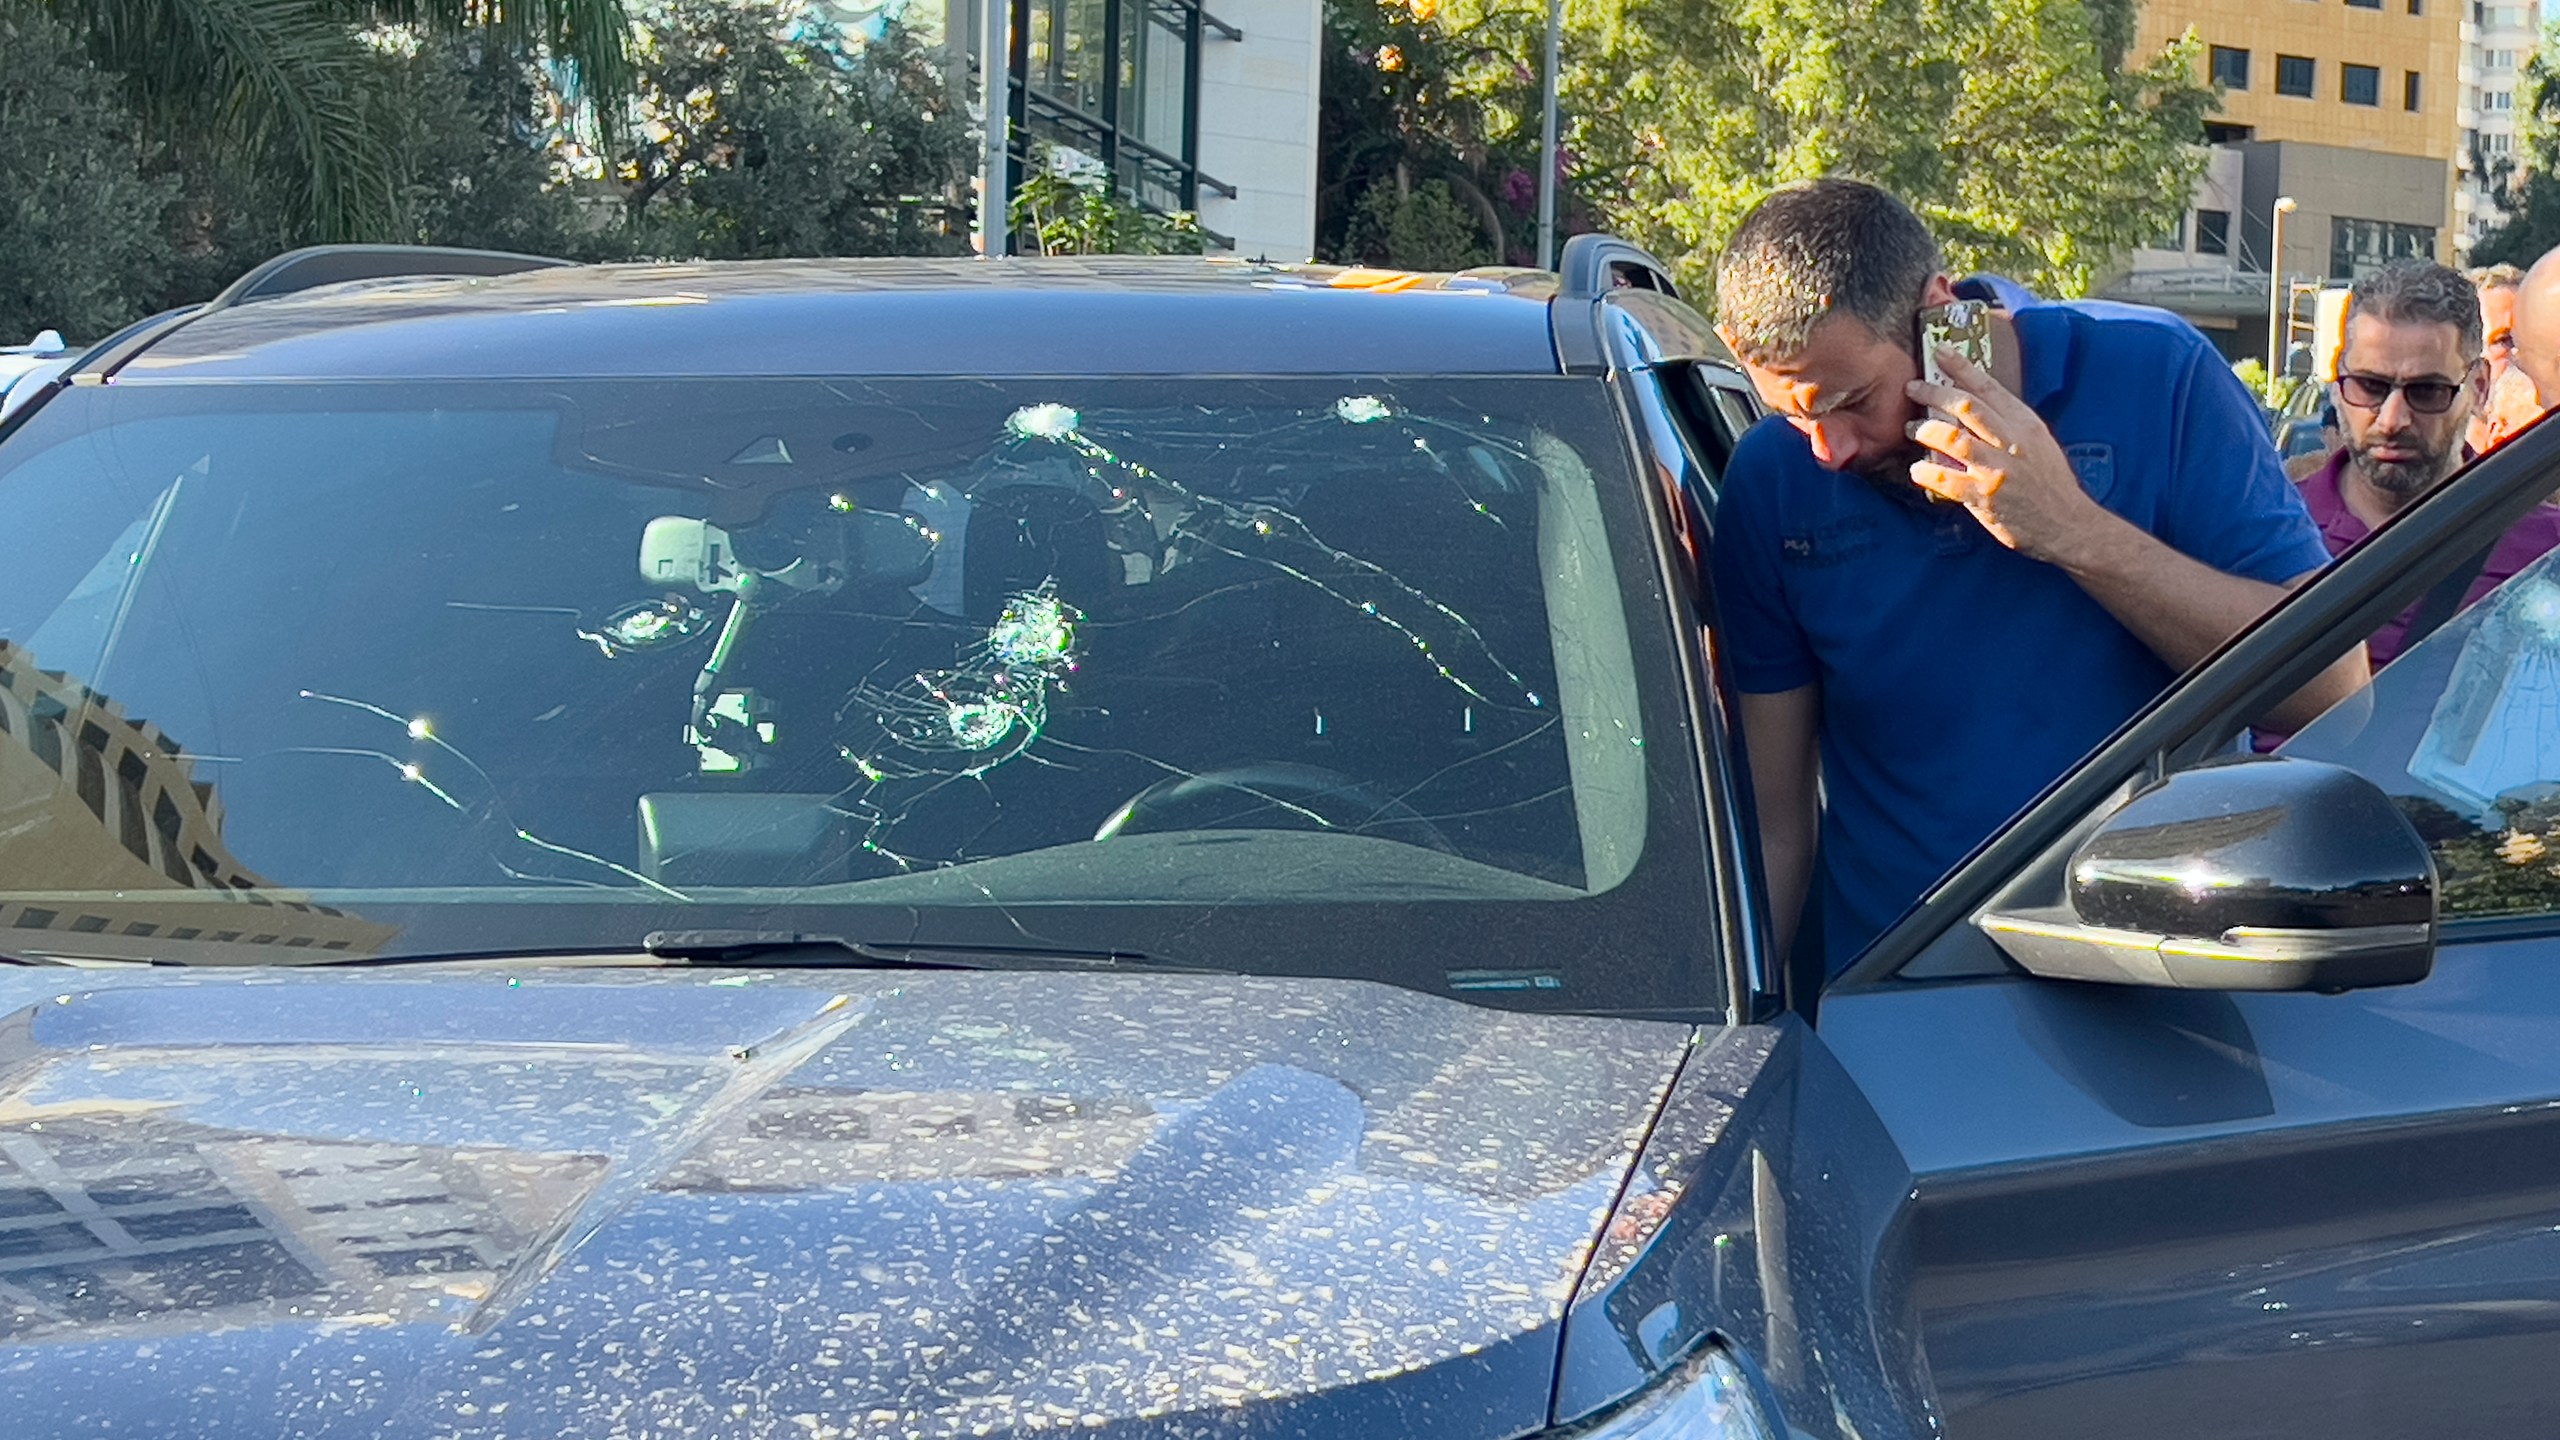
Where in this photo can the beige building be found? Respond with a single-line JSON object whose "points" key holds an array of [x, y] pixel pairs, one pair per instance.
{"points": [[110, 840], [2351, 110]]}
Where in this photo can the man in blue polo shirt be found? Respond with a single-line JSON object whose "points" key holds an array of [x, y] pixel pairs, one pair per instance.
{"points": [[1936, 598]]}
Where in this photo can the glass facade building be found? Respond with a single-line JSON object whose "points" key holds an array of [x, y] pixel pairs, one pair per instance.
{"points": [[1116, 80]]}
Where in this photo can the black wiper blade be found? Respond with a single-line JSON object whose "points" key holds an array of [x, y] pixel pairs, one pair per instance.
{"points": [[791, 947]]}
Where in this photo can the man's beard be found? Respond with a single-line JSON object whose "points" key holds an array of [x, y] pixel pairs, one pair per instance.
{"points": [[1891, 475], [2402, 478]]}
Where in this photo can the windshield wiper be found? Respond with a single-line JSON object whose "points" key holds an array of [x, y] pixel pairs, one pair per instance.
{"points": [[790, 947], [780, 949]]}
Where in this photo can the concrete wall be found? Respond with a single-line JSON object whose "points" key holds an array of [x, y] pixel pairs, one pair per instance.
{"points": [[1258, 125], [2327, 181]]}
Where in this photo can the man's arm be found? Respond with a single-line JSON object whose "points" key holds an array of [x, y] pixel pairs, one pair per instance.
{"points": [[2007, 469], [1779, 732], [2184, 609]]}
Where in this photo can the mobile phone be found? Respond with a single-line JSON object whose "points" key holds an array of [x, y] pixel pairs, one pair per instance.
{"points": [[1963, 325]]}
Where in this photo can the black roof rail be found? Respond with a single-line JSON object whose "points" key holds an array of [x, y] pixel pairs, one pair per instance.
{"points": [[1594, 265], [318, 265], [104, 356]]}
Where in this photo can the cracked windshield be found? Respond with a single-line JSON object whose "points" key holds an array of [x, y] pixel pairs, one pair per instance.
{"points": [[1194, 672]]}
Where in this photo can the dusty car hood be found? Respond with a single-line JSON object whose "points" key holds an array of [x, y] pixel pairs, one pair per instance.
{"points": [[679, 1203]]}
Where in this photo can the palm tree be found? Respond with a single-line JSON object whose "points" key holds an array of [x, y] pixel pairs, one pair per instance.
{"points": [[287, 77]]}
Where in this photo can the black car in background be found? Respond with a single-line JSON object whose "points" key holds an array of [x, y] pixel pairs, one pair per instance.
{"points": [[1148, 848]]}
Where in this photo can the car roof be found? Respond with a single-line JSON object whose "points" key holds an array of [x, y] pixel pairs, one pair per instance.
{"points": [[1049, 316]]}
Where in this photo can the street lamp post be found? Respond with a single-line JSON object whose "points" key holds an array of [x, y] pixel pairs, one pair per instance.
{"points": [[995, 147], [1547, 139], [2275, 293]]}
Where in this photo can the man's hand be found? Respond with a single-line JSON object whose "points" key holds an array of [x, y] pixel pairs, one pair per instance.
{"points": [[2011, 473], [2005, 465]]}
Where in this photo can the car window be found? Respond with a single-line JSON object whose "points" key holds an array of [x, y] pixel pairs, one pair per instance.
{"points": [[2463, 731], [1213, 671]]}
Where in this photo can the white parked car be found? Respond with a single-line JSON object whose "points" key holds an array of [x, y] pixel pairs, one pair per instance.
{"points": [[24, 367]]}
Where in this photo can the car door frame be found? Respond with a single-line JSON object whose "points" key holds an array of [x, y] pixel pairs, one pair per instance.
{"points": [[1669, 372]]}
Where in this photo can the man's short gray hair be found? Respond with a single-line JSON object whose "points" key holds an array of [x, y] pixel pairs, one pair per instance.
{"points": [[2420, 292], [1815, 247], [2501, 276]]}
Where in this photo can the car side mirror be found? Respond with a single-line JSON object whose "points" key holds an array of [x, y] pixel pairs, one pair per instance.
{"points": [[2266, 873]]}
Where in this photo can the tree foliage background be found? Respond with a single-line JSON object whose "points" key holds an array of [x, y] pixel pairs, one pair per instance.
{"points": [[150, 150], [739, 129], [2023, 129], [2529, 182]]}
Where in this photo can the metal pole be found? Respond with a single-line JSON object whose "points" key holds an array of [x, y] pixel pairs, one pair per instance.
{"points": [[2275, 296], [1547, 138], [995, 159]]}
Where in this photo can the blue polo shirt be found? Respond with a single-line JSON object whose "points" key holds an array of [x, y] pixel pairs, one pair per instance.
{"points": [[1960, 678]]}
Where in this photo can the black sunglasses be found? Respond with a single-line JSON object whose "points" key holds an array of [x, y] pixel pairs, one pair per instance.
{"points": [[2427, 397]]}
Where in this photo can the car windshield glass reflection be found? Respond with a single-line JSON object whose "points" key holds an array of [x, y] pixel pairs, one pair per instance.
{"points": [[2464, 732], [358, 659]]}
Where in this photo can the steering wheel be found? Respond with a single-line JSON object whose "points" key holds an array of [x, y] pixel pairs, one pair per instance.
{"points": [[1272, 795]]}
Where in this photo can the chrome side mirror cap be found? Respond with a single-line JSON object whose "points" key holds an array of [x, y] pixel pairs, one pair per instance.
{"points": [[2255, 874]]}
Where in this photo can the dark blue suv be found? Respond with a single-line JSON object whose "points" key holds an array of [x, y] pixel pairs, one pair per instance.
{"points": [[883, 848]]}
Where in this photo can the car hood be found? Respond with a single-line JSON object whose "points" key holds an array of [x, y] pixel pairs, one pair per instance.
{"points": [[481, 1203]]}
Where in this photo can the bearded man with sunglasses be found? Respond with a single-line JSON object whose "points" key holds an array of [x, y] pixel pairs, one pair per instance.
{"points": [[2411, 379]]}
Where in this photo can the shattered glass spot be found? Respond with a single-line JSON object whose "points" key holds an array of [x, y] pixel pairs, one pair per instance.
{"points": [[1037, 629], [1362, 409], [961, 722], [1042, 422]]}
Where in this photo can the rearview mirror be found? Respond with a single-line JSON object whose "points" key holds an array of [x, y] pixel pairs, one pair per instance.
{"points": [[2257, 874]]}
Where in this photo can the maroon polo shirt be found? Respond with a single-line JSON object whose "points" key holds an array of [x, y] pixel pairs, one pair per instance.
{"points": [[2527, 541]]}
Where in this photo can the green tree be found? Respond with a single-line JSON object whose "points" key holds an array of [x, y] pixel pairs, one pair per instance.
{"points": [[2529, 185], [1429, 143], [287, 80], [2017, 127], [762, 134], [463, 155], [80, 223], [1068, 207], [1421, 228], [2013, 125]]}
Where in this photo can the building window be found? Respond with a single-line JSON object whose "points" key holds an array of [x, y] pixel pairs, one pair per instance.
{"points": [[2366, 4], [2417, 7], [2213, 232], [2359, 247], [2230, 68], [2360, 84], [2218, 134], [2409, 91], [1116, 81], [2176, 238], [2294, 75], [2502, 99]]}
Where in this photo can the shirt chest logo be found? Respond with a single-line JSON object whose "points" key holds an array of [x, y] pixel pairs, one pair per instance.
{"points": [[1829, 542], [2095, 464]]}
